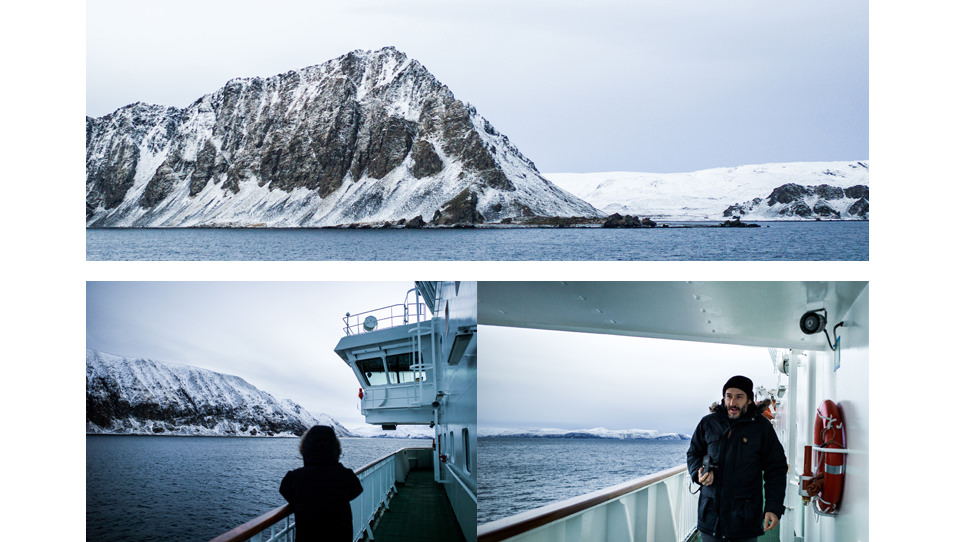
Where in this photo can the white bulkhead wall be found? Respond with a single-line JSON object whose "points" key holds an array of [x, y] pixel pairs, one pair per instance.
{"points": [[457, 390], [817, 379]]}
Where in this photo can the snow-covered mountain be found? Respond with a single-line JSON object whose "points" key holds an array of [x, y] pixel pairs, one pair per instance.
{"points": [[598, 432], [783, 191], [369, 137], [141, 396]]}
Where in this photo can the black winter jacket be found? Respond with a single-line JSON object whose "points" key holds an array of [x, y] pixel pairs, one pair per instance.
{"points": [[321, 495], [746, 451]]}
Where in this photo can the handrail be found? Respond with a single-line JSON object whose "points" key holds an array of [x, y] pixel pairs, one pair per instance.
{"points": [[509, 527], [255, 526], [387, 316], [395, 452], [252, 527]]}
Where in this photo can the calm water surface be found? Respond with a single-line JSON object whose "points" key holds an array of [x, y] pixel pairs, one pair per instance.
{"points": [[794, 241], [195, 488], [519, 474]]}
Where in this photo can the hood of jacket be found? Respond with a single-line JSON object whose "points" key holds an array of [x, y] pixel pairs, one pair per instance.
{"points": [[320, 446]]}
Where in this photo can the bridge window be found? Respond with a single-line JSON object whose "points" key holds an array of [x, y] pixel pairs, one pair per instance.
{"points": [[372, 369], [399, 368]]}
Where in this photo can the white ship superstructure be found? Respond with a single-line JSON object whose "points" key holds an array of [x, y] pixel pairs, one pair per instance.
{"points": [[417, 364]]}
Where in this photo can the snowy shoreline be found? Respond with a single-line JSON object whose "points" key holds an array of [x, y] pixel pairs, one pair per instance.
{"points": [[677, 223]]}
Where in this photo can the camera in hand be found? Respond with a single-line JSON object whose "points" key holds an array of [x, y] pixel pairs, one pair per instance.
{"points": [[707, 465]]}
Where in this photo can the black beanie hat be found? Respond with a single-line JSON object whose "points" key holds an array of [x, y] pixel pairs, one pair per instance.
{"points": [[742, 383]]}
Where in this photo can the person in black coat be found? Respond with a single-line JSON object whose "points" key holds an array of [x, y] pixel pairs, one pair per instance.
{"points": [[321, 492], [741, 447]]}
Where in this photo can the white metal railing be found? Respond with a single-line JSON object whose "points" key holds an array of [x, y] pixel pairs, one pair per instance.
{"points": [[659, 507], [386, 317], [379, 481]]}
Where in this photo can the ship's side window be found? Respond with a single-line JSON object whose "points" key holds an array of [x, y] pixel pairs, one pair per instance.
{"points": [[400, 371], [372, 370], [465, 436]]}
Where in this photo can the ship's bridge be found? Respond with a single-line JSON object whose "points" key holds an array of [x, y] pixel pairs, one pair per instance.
{"points": [[390, 351]]}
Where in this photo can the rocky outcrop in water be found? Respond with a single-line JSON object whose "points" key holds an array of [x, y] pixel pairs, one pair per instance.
{"points": [[368, 137], [141, 396], [617, 220], [737, 223]]}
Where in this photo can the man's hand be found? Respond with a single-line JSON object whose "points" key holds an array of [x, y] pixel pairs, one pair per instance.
{"points": [[770, 522], [707, 479]]}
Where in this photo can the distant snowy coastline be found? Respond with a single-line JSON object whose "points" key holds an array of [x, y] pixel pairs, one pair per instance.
{"points": [[815, 190], [402, 431], [595, 433]]}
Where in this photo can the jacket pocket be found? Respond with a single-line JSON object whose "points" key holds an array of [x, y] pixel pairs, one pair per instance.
{"points": [[746, 515], [750, 446], [708, 511]]}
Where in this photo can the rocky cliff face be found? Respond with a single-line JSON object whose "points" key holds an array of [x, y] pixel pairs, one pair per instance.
{"points": [[365, 138], [140, 396], [796, 201]]}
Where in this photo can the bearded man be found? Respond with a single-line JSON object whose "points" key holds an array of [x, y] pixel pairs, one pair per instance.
{"points": [[733, 452]]}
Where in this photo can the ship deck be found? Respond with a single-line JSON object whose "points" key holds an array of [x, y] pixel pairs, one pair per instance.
{"points": [[771, 536], [420, 512]]}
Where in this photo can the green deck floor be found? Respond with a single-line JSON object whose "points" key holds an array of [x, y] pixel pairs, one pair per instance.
{"points": [[420, 512], [771, 536]]}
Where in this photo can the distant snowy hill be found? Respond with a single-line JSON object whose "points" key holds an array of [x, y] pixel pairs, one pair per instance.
{"points": [[141, 396], [598, 432], [402, 431], [370, 137], [783, 191]]}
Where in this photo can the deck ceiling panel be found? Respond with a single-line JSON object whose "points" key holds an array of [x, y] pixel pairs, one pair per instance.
{"points": [[747, 313]]}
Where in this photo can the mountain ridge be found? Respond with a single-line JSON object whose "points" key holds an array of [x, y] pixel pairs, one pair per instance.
{"points": [[370, 137], [127, 395]]}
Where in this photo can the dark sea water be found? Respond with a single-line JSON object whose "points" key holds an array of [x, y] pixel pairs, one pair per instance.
{"points": [[519, 474], [195, 488], [790, 241]]}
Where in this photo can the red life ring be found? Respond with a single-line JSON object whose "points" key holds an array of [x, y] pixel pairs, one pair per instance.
{"points": [[826, 484], [360, 393]]}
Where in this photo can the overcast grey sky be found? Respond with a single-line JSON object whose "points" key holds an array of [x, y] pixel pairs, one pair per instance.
{"points": [[279, 336], [532, 378], [606, 85]]}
